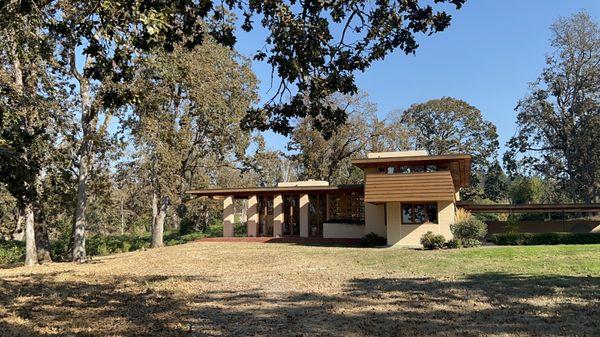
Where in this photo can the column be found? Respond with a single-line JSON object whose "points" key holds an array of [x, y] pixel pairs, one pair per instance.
{"points": [[278, 215], [252, 222], [304, 201], [228, 216]]}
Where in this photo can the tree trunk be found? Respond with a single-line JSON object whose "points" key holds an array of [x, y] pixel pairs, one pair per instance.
{"points": [[42, 242], [30, 250], [158, 219], [80, 210], [19, 233], [88, 124]]}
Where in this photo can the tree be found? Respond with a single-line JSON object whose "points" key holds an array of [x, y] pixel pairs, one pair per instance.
{"points": [[559, 120], [449, 125], [495, 185], [329, 159], [186, 119], [31, 110]]}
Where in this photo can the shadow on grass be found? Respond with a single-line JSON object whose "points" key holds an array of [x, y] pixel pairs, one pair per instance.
{"points": [[479, 304]]}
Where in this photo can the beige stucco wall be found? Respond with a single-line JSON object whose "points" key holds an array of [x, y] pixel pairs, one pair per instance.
{"points": [[375, 219], [304, 204], [343, 231], [278, 215], [410, 235], [252, 223], [228, 216]]}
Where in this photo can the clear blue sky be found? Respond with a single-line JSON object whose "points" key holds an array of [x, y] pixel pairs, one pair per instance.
{"points": [[487, 57]]}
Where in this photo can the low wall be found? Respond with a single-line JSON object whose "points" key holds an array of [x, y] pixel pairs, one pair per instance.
{"points": [[343, 231], [538, 226]]}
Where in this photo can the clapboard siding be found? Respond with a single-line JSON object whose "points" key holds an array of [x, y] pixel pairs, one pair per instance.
{"points": [[426, 186]]}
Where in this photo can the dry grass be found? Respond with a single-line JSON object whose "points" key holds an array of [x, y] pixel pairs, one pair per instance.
{"points": [[241, 289]]}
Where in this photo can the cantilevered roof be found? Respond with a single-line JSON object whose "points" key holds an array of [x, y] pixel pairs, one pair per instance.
{"points": [[459, 164], [527, 208], [248, 191]]}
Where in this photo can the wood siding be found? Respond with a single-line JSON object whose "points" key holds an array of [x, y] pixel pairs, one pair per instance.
{"points": [[426, 186]]}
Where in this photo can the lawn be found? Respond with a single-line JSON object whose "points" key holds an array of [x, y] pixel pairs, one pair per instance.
{"points": [[241, 289]]}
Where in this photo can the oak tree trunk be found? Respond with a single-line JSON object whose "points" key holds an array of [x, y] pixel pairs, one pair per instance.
{"points": [[42, 241], [159, 213], [30, 248], [19, 232]]}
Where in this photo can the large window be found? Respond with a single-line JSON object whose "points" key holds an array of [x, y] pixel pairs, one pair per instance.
{"points": [[346, 208], [418, 213], [407, 169]]}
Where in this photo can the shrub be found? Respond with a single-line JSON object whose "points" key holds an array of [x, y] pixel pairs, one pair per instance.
{"points": [[214, 231], [373, 240], [11, 252], [454, 243], [432, 241], [519, 239], [512, 225], [470, 232]]}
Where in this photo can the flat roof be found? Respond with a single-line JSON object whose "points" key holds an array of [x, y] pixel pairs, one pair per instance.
{"points": [[248, 191], [368, 162], [527, 208]]}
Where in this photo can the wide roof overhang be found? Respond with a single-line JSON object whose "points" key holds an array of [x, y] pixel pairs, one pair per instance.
{"points": [[528, 208], [260, 191]]}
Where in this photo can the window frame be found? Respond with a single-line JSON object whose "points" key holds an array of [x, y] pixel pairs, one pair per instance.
{"points": [[412, 212]]}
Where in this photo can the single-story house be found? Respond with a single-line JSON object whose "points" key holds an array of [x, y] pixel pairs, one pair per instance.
{"points": [[404, 195]]}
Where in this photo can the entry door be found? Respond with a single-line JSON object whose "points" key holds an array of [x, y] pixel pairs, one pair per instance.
{"points": [[265, 216], [317, 210], [291, 215]]}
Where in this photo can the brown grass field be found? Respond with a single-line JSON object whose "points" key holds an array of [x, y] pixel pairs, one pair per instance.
{"points": [[258, 289]]}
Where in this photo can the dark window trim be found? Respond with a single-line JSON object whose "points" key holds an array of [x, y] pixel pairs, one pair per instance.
{"points": [[412, 212]]}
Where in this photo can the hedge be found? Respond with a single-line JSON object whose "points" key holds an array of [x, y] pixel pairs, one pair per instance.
{"points": [[526, 239]]}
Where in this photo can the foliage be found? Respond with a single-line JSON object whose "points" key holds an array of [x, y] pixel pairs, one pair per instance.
{"points": [[512, 225], [432, 241], [447, 126], [329, 158], [470, 232], [373, 240], [454, 243], [11, 252], [462, 215], [495, 184], [519, 239], [559, 120]]}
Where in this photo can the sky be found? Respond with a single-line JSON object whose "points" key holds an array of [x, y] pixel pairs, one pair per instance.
{"points": [[490, 53]]}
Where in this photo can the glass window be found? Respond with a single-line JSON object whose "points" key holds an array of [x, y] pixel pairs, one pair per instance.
{"points": [[407, 213], [418, 169], [418, 213], [381, 169], [431, 168], [391, 170], [404, 169]]}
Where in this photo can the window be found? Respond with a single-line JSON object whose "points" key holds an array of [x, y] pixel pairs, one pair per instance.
{"points": [[346, 208], [431, 168], [418, 213]]}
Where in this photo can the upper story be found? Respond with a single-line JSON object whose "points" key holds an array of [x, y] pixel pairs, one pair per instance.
{"points": [[413, 176]]}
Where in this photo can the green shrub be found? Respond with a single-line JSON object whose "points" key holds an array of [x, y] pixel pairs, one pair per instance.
{"points": [[469, 231], [519, 239], [240, 230], [11, 252], [214, 231], [432, 241], [454, 243], [373, 240]]}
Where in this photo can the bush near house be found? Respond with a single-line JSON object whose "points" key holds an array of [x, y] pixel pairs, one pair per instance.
{"points": [[470, 231], [373, 240], [432, 241], [528, 239]]}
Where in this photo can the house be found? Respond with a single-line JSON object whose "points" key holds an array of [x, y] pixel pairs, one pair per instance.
{"points": [[404, 195]]}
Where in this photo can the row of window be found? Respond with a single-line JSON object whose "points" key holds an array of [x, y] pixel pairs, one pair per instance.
{"points": [[407, 169]]}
